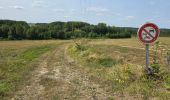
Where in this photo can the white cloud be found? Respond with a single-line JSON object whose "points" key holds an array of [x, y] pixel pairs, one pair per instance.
{"points": [[97, 9], [39, 4], [156, 16], [99, 14], [17, 7], [1, 7], [128, 18], [59, 10], [151, 19], [66, 16], [72, 10], [168, 21], [117, 14]]}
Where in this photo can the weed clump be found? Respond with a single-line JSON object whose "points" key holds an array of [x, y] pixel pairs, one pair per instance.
{"points": [[89, 54], [107, 62]]}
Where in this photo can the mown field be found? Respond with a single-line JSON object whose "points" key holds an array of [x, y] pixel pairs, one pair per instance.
{"points": [[117, 65], [17, 60]]}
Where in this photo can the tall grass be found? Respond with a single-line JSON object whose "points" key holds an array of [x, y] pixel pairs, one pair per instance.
{"points": [[122, 69]]}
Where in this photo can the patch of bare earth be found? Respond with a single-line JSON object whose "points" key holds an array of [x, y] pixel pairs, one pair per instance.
{"points": [[57, 77]]}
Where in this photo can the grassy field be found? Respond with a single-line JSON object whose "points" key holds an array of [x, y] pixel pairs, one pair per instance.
{"points": [[120, 64], [115, 65], [133, 42], [17, 60]]}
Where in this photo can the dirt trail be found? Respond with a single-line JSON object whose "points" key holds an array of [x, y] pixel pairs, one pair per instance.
{"points": [[57, 77]]}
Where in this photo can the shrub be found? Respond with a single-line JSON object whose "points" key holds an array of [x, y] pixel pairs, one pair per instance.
{"points": [[156, 68], [107, 62]]}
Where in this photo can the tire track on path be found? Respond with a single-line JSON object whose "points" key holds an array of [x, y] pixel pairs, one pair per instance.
{"points": [[58, 77]]}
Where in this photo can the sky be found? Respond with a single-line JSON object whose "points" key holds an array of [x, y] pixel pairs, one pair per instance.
{"points": [[122, 13]]}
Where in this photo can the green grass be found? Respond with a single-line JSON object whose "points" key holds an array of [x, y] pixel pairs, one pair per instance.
{"points": [[17, 64], [121, 68], [33, 53], [107, 62]]}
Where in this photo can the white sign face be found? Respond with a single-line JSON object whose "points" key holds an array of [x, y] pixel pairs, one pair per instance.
{"points": [[148, 33]]}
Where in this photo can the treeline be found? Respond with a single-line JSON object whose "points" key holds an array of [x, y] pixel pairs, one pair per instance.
{"points": [[17, 30], [163, 32]]}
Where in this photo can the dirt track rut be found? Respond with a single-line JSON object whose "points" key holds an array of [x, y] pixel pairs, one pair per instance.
{"points": [[57, 77]]}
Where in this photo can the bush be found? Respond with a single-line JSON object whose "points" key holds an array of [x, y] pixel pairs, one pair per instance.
{"points": [[156, 68], [107, 62]]}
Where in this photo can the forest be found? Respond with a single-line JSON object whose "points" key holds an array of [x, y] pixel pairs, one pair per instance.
{"points": [[19, 30]]}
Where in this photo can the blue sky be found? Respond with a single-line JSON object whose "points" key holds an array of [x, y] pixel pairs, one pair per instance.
{"points": [[130, 13]]}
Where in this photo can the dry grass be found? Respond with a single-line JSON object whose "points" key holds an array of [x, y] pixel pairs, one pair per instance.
{"points": [[165, 40], [25, 43], [115, 64], [133, 42], [127, 78], [17, 60]]}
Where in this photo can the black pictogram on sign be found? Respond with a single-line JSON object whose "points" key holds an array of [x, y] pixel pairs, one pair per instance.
{"points": [[148, 33]]}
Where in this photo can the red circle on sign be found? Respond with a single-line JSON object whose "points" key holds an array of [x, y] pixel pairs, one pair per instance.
{"points": [[140, 34]]}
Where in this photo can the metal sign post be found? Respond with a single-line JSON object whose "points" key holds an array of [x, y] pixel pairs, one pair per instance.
{"points": [[147, 59], [148, 34]]}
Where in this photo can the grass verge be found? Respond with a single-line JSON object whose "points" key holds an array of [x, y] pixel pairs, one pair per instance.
{"points": [[112, 67], [16, 65]]}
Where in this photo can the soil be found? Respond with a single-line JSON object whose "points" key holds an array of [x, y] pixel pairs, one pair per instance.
{"points": [[58, 77]]}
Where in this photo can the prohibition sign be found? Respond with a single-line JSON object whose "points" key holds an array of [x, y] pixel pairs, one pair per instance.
{"points": [[148, 33]]}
